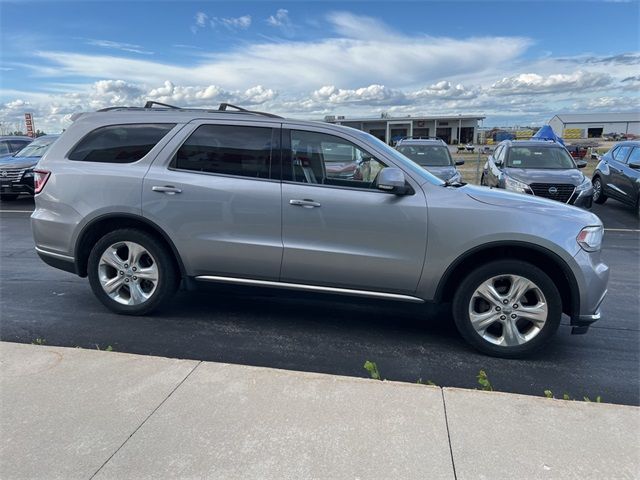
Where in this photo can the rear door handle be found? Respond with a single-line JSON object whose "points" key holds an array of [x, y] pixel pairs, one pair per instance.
{"points": [[306, 203], [168, 189]]}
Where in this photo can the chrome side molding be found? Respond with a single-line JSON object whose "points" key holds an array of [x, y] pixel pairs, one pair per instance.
{"points": [[309, 288]]}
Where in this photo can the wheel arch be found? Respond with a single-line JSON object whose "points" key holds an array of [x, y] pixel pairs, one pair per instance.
{"points": [[97, 227], [543, 258]]}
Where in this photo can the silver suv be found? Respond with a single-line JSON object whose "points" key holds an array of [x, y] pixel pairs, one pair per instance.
{"points": [[141, 200]]}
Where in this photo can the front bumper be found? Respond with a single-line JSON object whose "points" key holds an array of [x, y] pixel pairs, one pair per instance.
{"points": [[22, 187], [583, 199], [594, 277]]}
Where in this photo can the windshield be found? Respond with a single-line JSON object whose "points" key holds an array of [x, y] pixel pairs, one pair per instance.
{"points": [[540, 157], [404, 161], [427, 155], [37, 148]]}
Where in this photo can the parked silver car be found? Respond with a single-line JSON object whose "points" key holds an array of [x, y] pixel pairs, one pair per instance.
{"points": [[433, 155], [140, 199]]}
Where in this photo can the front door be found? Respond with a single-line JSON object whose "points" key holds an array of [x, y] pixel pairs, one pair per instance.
{"points": [[344, 232]]}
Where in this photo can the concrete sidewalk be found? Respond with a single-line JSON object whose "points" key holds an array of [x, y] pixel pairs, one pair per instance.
{"points": [[71, 413]]}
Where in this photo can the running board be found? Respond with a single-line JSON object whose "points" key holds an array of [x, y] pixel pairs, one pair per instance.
{"points": [[310, 288]]}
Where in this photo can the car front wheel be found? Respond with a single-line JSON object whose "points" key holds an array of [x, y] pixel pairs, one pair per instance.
{"points": [[507, 308], [598, 192], [131, 272]]}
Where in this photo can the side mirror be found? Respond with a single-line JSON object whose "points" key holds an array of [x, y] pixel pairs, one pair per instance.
{"points": [[581, 164], [392, 180], [634, 165], [497, 162], [459, 162]]}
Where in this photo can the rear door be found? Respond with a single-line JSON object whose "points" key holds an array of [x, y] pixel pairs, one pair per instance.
{"points": [[345, 232], [618, 182], [213, 191], [628, 179]]}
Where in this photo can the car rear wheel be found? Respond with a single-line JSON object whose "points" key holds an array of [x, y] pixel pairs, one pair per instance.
{"points": [[131, 272], [9, 197], [507, 308], [598, 192]]}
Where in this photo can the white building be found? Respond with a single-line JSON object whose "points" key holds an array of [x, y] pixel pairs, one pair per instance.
{"points": [[451, 129], [594, 125]]}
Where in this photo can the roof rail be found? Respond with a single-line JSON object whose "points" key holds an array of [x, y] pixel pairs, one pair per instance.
{"points": [[223, 108], [149, 105]]}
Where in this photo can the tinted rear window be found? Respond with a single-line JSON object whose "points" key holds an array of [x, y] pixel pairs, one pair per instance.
{"points": [[228, 150], [120, 143]]}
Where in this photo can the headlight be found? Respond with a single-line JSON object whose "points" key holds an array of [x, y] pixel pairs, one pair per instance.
{"points": [[456, 177], [590, 238], [515, 185], [28, 173], [586, 184]]}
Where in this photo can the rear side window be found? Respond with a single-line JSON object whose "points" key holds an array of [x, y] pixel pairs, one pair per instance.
{"points": [[228, 150], [620, 153], [120, 143]]}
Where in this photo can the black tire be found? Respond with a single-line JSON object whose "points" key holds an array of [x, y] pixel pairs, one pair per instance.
{"points": [[9, 197], [464, 294], [168, 273], [598, 198]]}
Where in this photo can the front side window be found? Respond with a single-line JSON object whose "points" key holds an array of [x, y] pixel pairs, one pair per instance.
{"points": [[228, 150], [635, 156], [427, 155], [323, 159], [120, 143], [620, 153], [540, 157], [4, 148]]}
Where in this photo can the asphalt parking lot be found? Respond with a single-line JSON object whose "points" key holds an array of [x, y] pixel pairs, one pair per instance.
{"points": [[328, 334]]}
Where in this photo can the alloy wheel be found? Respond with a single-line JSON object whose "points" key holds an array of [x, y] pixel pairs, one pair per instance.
{"points": [[597, 189], [508, 310], [128, 273]]}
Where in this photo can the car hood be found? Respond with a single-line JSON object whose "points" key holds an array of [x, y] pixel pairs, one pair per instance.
{"points": [[18, 162], [443, 173], [529, 203], [535, 175]]}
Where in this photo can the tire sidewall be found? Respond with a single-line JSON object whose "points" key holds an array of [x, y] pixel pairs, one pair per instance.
{"points": [[602, 197], [468, 286], [167, 274]]}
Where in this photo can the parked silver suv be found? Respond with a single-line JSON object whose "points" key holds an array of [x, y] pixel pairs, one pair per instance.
{"points": [[142, 199]]}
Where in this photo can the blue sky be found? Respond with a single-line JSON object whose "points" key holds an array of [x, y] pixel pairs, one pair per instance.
{"points": [[515, 62]]}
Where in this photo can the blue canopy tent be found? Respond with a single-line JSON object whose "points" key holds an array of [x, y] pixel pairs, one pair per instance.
{"points": [[547, 133]]}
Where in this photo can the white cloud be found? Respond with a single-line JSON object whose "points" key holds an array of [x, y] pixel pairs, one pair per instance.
{"points": [[361, 67], [532, 83], [360, 57], [372, 95], [281, 21], [232, 23], [125, 47]]}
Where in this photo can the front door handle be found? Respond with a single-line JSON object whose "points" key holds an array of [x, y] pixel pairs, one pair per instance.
{"points": [[168, 189], [306, 203]]}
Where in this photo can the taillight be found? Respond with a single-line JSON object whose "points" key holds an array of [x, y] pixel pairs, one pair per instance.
{"points": [[40, 178]]}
